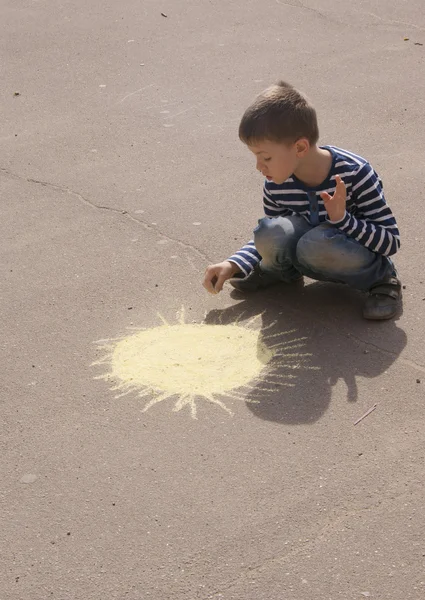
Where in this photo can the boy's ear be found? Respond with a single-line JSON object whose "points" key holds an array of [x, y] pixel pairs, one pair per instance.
{"points": [[302, 146]]}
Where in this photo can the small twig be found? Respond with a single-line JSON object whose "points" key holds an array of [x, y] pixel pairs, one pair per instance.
{"points": [[366, 414]]}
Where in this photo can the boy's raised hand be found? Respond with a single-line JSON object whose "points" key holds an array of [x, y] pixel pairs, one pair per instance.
{"points": [[335, 205], [216, 275]]}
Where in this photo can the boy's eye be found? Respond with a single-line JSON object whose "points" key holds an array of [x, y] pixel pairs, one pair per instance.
{"points": [[267, 159]]}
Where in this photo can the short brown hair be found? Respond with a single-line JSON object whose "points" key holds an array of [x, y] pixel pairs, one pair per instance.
{"points": [[279, 114]]}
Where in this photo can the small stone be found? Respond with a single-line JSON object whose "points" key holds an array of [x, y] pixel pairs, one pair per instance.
{"points": [[69, 533], [418, 381], [29, 478], [156, 285], [163, 14], [130, 308], [365, 351], [404, 287]]}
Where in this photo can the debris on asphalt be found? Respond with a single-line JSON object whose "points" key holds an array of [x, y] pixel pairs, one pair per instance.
{"points": [[418, 44], [406, 39], [29, 478], [366, 414], [17, 94], [418, 381], [163, 14]]}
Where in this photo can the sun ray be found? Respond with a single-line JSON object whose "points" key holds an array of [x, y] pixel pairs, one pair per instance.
{"points": [[287, 343], [125, 393], [281, 376], [219, 403], [156, 400], [240, 317], [294, 354], [101, 361], [251, 401], [236, 396], [270, 325], [187, 400], [145, 393], [254, 319], [164, 321], [262, 388], [182, 401], [287, 347], [273, 335]]}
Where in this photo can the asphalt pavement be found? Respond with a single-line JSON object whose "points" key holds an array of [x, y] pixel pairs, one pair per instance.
{"points": [[158, 442]]}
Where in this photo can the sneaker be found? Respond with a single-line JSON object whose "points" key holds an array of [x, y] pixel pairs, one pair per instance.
{"points": [[384, 300], [256, 280]]}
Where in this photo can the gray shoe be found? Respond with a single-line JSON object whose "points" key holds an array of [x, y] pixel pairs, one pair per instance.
{"points": [[384, 300], [256, 280]]}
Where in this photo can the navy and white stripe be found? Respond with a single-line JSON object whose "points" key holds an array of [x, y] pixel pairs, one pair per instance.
{"points": [[368, 218]]}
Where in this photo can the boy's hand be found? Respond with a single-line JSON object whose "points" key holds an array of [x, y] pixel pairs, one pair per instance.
{"points": [[216, 275], [335, 205]]}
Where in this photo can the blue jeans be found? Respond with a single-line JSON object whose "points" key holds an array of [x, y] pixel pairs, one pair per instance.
{"points": [[290, 246]]}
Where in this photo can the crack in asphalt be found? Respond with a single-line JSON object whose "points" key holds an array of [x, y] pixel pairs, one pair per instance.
{"points": [[405, 361], [120, 211], [330, 17], [341, 517], [299, 4]]}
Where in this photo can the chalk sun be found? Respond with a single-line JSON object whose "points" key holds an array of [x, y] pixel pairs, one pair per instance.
{"points": [[191, 362]]}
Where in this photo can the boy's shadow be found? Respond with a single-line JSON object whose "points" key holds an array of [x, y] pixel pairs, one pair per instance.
{"points": [[296, 386]]}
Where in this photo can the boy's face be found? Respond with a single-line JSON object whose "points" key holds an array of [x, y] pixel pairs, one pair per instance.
{"points": [[276, 161]]}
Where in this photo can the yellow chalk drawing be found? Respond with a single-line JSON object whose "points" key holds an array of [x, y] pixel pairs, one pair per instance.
{"points": [[201, 361]]}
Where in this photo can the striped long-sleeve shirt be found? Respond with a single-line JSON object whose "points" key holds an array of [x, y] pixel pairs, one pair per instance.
{"points": [[368, 218]]}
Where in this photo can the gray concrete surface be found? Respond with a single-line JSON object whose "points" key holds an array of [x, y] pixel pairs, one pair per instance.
{"points": [[122, 137]]}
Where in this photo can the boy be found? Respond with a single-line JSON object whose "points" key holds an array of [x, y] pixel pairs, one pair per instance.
{"points": [[326, 214]]}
